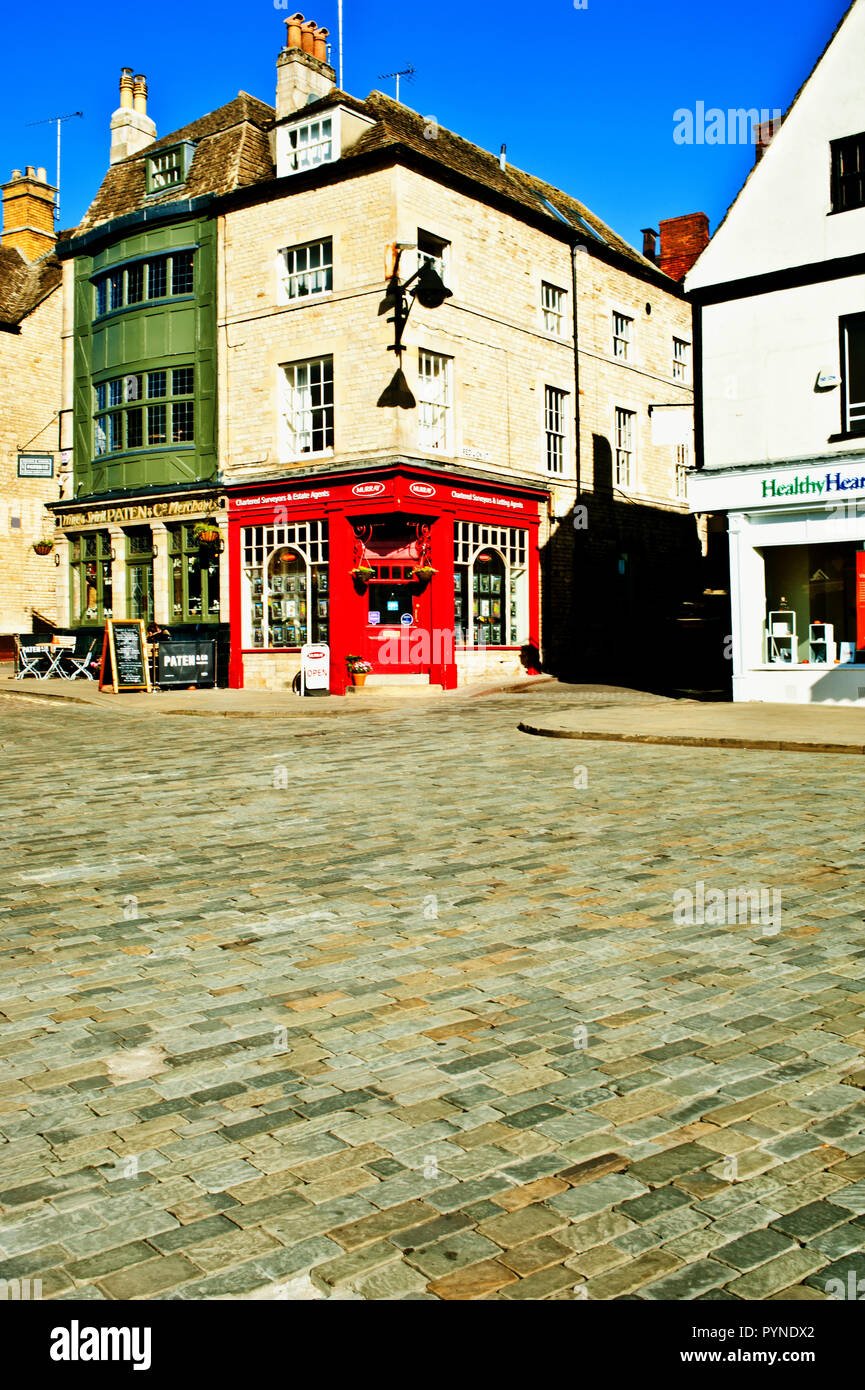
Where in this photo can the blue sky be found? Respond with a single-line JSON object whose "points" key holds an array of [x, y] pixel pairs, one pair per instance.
{"points": [[582, 97]]}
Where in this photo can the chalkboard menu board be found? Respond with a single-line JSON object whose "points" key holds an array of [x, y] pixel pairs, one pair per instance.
{"points": [[124, 656]]}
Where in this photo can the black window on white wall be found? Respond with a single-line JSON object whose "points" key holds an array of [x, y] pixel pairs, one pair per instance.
{"points": [[853, 374], [848, 173]]}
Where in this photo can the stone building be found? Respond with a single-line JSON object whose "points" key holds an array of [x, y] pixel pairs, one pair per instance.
{"points": [[30, 315], [444, 511]]}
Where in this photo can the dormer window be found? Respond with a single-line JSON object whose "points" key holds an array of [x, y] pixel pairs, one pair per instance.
{"points": [[310, 144], [169, 168]]}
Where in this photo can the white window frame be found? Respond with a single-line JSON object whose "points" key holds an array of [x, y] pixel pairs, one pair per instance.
{"points": [[623, 336], [311, 143], [625, 447], [683, 468], [681, 359], [553, 308], [555, 430], [292, 281], [512, 544], [297, 408], [435, 404], [258, 546]]}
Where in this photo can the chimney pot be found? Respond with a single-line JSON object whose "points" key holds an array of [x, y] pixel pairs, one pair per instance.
{"points": [[320, 45], [126, 87], [307, 36], [503, 157], [293, 26], [42, 175], [140, 94]]}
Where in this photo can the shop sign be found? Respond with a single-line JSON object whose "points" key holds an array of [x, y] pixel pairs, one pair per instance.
{"points": [[314, 667], [35, 465], [513, 503], [422, 490], [478, 455], [311, 495], [142, 511], [368, 489], [186, 663], [710, 490]]}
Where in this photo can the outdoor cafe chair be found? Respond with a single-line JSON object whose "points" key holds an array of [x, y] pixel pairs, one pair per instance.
{"points": [[79, 659], [31, 658]]}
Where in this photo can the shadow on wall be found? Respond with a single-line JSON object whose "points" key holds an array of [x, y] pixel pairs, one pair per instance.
{"points": [[624, 597]]}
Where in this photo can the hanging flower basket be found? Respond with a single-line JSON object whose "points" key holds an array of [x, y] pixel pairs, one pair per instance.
{"points": [[43, 547], [207, 532], [362, 573], [423, 573]]}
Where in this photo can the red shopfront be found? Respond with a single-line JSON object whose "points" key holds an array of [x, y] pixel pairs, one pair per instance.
{"points": [[420, 573]]}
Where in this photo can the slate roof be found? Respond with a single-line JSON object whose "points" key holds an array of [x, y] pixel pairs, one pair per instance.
{"points": [[233, 152], [23, 284]]}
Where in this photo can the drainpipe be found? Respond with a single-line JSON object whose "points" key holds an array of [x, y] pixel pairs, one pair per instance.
{"points": [[575, 251]]}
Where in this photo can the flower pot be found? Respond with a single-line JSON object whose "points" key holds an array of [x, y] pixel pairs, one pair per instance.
{"points": [[359, 677]]}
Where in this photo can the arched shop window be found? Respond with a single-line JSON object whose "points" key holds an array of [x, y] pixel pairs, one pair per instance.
{"points": [[286, 591], [90, 572], [491, 596], [194, 577]]}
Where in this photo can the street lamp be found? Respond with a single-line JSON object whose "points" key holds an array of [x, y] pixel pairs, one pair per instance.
{"points": [[427, 287]]}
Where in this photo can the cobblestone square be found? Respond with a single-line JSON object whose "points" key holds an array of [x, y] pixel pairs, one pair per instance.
{"points": [[397, 1005]]}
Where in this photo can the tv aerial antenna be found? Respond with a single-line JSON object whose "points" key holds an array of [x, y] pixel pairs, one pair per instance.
{"points": [[407, 72], [58, 121]]}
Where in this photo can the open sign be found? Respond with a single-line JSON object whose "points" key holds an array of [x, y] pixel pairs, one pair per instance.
{"points": [[314, 667]]}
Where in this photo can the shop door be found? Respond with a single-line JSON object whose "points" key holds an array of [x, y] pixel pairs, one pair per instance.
{"points": [[397, 633]]}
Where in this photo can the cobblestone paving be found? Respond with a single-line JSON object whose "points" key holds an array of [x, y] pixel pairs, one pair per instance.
{"points": [[388, 1007]]}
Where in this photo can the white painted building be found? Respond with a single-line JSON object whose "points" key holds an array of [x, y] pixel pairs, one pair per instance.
{"points": [[779, 298]]}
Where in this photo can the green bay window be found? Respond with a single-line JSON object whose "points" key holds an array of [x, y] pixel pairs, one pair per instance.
{"points": [[170, 276], [144, 410], [194, 577], [139, 573], [90, 577]]}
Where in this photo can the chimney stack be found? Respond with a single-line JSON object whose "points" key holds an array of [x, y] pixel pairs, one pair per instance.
{"points": [[764, 134], [132, 129], [28, 213], [683, 239], [650, 244], [303, 74]]}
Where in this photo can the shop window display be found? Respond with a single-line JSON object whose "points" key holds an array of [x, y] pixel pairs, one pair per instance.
{"points": [[490, 585], [817, 585], [90, 573], [194, 577], [287, 585]]}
